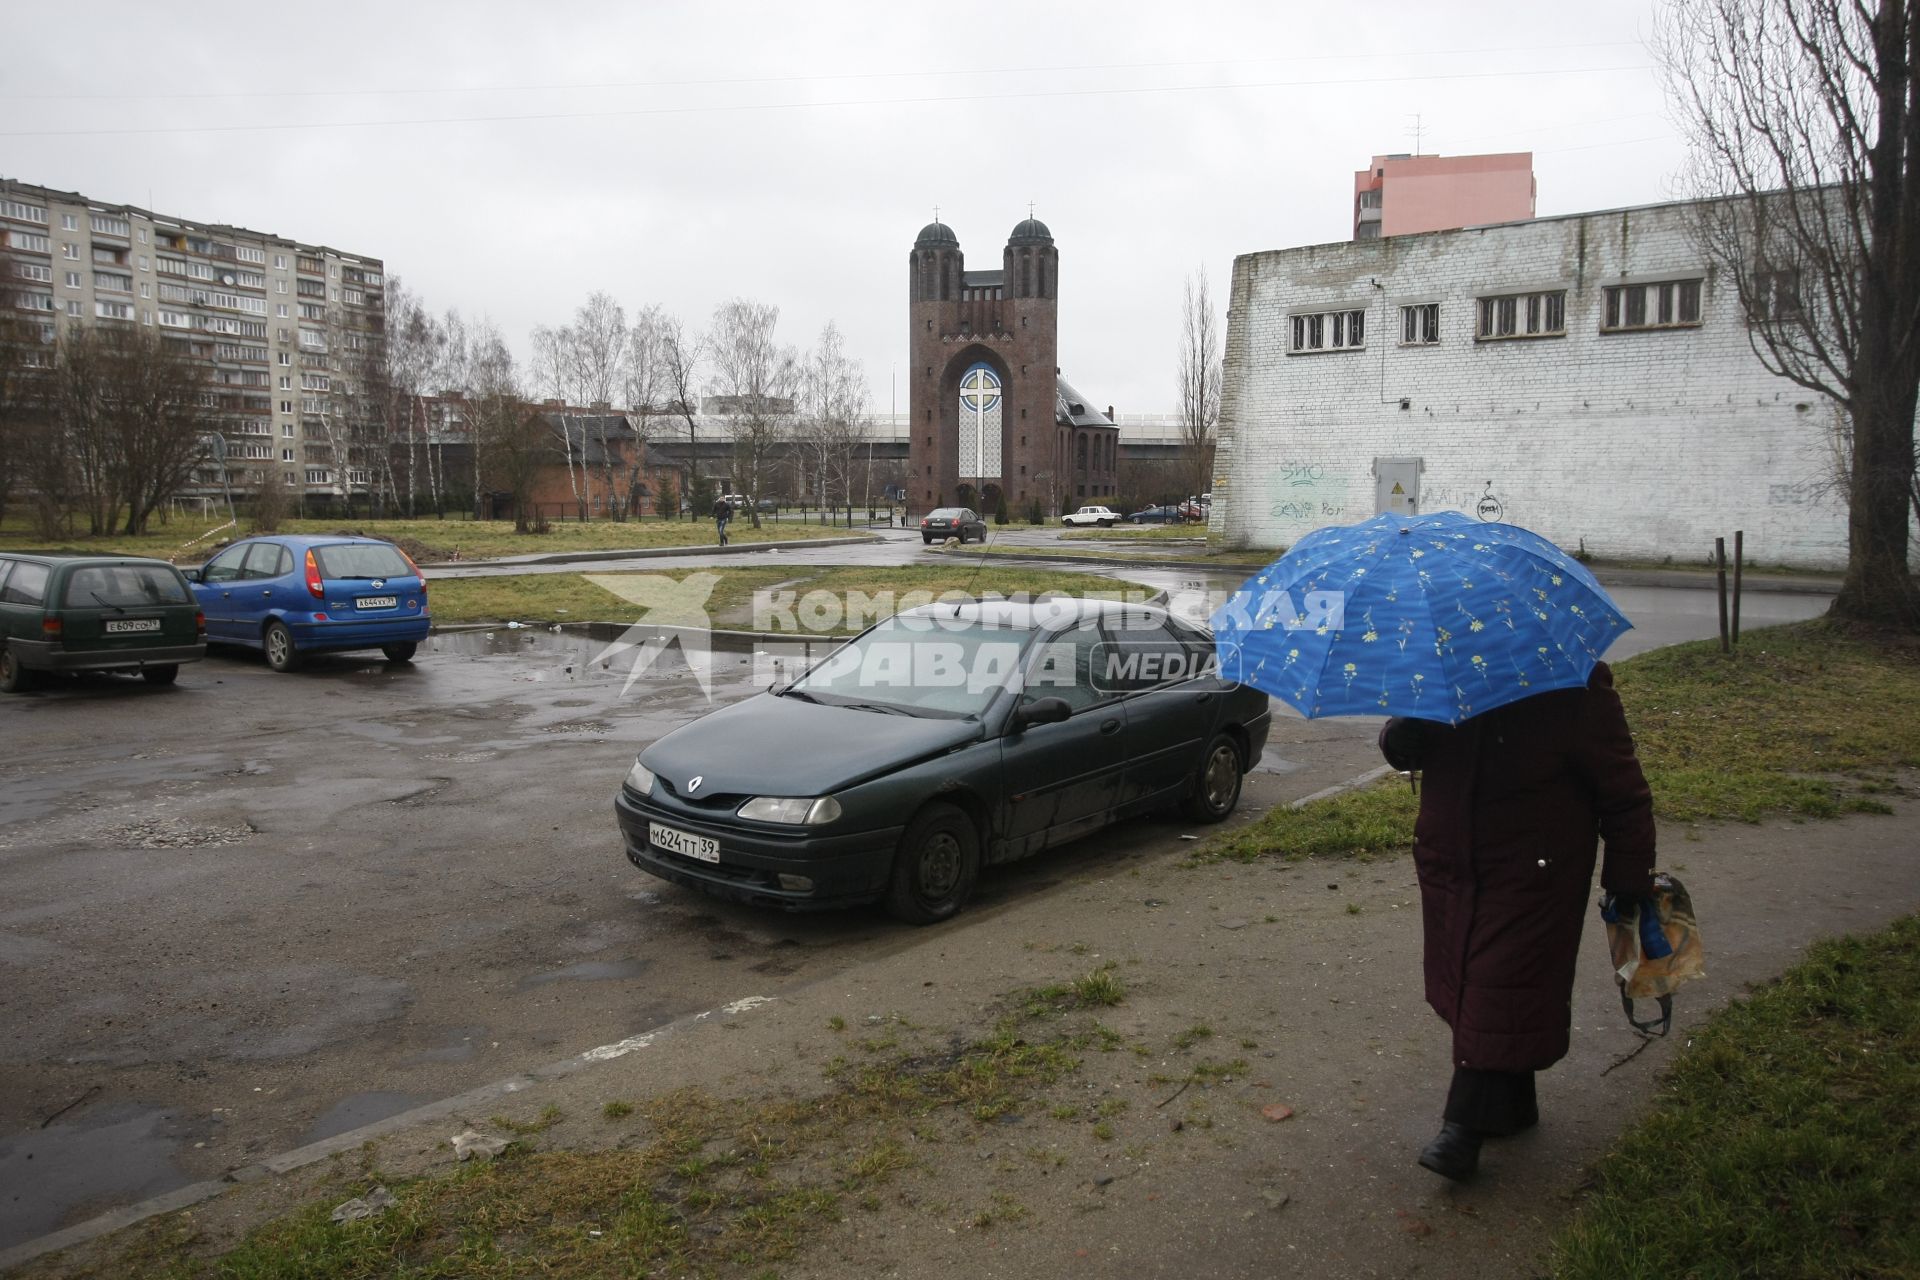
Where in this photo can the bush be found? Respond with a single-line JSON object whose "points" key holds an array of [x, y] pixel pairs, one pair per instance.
{"points": [[666, 503], [1000, 509], [1036, 514]]}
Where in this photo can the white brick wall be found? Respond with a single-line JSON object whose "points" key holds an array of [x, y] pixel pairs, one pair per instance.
{"points": [[1641, 445]]}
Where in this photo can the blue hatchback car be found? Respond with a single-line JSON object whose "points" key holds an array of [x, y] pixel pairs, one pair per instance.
{"points": [[291, 596]]}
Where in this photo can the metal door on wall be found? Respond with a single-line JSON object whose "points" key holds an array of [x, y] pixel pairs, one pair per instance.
{"points": [[1396, 486]]}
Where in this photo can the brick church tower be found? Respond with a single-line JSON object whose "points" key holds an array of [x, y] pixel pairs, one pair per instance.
{"points": [[983, 389]]}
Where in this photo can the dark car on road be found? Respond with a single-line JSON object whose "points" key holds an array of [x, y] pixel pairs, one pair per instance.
{"points": [[941, 740], [95, 613], [290, 596], [1157, 515], [952, 522]]}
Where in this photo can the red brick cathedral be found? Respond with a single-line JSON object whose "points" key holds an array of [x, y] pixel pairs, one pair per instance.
{"points": [[991, 414]]}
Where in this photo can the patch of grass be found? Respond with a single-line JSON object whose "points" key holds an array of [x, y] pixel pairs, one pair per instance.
{"points": [[428, 538], [1783, 1140], [1103, 1131], [1372, 822], [1192, 1035], [1101, 987], [836, 1023], [1794, 721], [617, 1110], [548, 1117]]}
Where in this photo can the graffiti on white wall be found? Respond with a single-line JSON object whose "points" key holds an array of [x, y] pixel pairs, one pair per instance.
{"points": [[1306, 493]]}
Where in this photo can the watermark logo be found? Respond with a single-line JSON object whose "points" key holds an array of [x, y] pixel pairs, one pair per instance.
{"points": [[673, 616]]}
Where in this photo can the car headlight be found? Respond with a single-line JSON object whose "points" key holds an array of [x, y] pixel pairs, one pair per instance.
{"points": [[640, 779], [795, 811]]}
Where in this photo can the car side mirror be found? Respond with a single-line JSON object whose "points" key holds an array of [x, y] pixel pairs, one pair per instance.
{"points": [[1041, 711], [193, 575]]}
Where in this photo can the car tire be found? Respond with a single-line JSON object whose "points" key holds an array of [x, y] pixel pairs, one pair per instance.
{"points": [[927, 539], [165, 673], [399, 652], [1216, 782], [278, 642], [963, 535], [935, 867], [1104, 524], [14, 678]]}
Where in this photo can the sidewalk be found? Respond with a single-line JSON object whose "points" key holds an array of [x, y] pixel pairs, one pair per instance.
{"points": [[1305, 981]]}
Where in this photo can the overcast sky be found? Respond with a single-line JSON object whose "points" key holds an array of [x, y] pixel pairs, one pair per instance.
{"points": [[683, 154]]}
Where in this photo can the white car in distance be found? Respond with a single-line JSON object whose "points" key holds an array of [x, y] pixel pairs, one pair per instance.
{"points": [[1100, 516]]}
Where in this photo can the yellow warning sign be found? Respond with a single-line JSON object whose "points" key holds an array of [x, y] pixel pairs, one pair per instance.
{"points": [[1398, 492]]}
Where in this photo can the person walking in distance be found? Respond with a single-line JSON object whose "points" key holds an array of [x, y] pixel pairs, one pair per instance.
{"points": [[722, 512], [1512, 804]]}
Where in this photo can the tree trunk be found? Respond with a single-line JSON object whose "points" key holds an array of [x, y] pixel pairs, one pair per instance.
{"points": [[1879, 586]]}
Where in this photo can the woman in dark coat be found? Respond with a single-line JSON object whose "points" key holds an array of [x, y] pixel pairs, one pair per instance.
{"points": [[1511, 803]]}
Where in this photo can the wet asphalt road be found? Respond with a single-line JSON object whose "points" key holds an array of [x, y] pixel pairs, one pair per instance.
{"points": [[254, 910]]}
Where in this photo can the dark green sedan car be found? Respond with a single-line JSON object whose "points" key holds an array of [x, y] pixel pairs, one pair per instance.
{"points": [[95, 613], [941, 740]]}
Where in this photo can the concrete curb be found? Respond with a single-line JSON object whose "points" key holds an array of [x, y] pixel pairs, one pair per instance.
{"points": [[653, 553], [314, 1152]]}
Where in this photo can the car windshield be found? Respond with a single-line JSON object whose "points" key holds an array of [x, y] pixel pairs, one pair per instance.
{"points": [[944, 513], [922, 665], [125, 586], [362, 560]]}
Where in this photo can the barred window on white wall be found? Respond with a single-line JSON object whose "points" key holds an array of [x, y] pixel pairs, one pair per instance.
{"points": [[1327, 331], [1420, 324], [1668, 304], [1524, 315]]}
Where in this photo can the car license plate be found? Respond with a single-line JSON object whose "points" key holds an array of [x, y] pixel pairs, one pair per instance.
{"points": [[118, 626], [683, 842], [376, 602]]}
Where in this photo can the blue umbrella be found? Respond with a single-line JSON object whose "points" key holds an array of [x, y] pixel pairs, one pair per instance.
{"points": [[1437, 616]]}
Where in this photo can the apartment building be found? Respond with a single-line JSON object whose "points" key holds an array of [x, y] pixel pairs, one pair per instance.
{"points": [[292, 332], [1402, 195]]}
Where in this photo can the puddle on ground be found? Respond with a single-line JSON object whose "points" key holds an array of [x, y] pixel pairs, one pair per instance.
{"points": [[113, 1155], [357, 1109], [588, 971]]}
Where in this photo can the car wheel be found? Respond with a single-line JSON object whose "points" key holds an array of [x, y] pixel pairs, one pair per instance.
{"points": [[166, 673], [14, 678], [1105, 524], [399, 652], [934, 870], [963, 535], [281, 655], [927, 538], [1216, 783]]}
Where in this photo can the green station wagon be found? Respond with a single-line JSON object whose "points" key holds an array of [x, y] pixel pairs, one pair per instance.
{"points": [[95, 613]]}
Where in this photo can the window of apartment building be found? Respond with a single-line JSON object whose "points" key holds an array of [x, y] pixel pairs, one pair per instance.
{"points": [[1524, 315], [279, 286], [68, 222], [201, 271], [171, 266], [286, 455], [280, 310], [1668, 304], [286, 406], [279, 262], [286, 429], [69, 250], [1328, 331], [247, 253], [112, 310], [27, 300], [141, 232], [33, 271], [251, 280], [173, 319], [286, 357], [108, 225], [73, 306], [23, 212], [315, 382], [312, 311], [73, 279], [146, 290], [32, 241], [146, 317], [143, 262], [1420, 324], [313, 340], [107, 280], [1775, 295], [286, 382]]}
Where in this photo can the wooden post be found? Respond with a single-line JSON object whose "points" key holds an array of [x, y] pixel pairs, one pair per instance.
{"points": [[1739, 555], [1720, 561]]}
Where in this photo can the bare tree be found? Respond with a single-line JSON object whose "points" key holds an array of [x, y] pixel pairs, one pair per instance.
{"points": [[595, 350], [157, 419], [646, 385], [1201, 374], [834, 421], [414, 349], [1803, 122], [681, 355], [759, 376], [509, 434], [553, 378], [26, 360]]}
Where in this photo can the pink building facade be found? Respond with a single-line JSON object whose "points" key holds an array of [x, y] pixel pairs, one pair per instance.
{"points": [[1400, 195]]}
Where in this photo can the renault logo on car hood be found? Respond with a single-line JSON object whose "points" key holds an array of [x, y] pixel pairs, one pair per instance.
{"points": [[693, 783]]}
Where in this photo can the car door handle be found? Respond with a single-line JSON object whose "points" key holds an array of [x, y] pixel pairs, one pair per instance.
{"points": [[1109, 726], [1205, 697]]}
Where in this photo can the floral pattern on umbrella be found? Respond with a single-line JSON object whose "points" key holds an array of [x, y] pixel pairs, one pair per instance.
{"points": [[1437, 616]]}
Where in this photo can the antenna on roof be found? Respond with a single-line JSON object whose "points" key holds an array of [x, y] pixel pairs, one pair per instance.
{"points": [[1417, 132]]}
